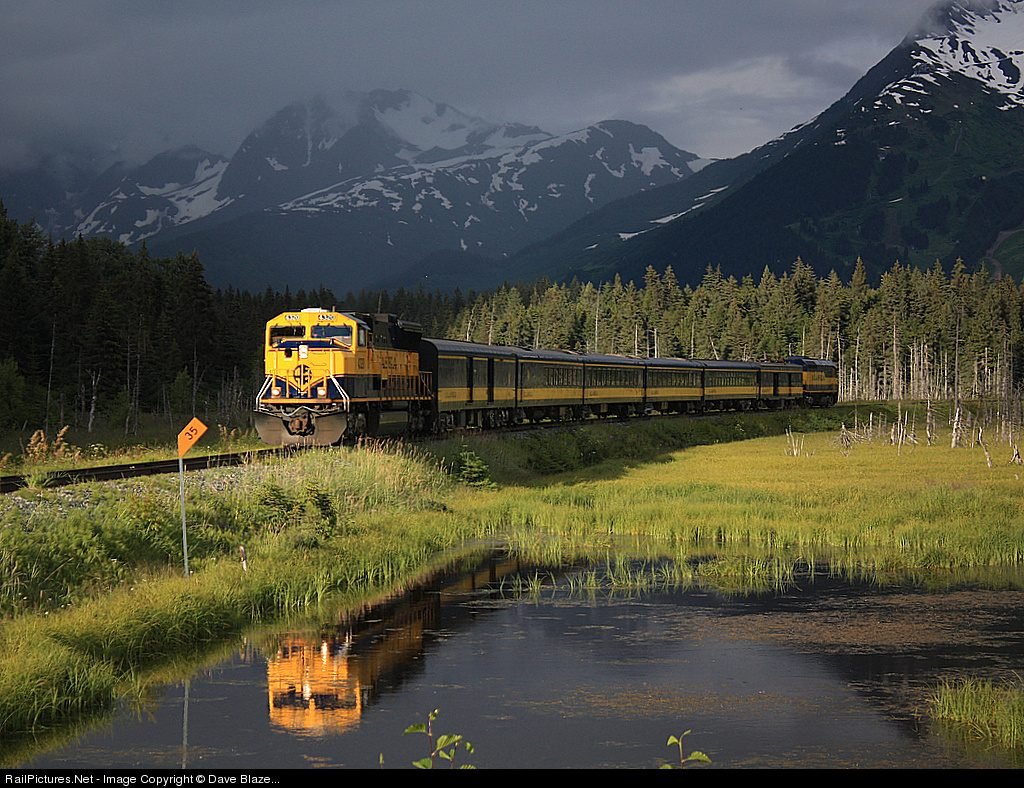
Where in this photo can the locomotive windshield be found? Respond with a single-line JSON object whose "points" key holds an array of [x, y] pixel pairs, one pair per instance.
{"points": [[277, 333], [342, 333]]}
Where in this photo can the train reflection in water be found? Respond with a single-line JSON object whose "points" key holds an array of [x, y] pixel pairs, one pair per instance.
{"points": [[320, 685]]}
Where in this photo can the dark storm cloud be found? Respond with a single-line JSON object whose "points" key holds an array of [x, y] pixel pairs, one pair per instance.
{"points": [[714, 76]]}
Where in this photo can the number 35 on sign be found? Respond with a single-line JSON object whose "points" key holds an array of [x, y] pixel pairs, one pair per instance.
{"points": [[187, 437]]}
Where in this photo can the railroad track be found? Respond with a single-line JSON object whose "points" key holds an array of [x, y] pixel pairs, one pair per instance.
{"points": [[131, 469], [9, 484], [99, 473]]}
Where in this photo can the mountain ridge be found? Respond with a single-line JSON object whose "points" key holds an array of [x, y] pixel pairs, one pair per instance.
{"points": [[366, 186], [927, 145]]}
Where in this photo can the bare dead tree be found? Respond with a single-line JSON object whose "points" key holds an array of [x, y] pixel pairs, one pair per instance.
{"points": [[981, 442], [956, 440]]}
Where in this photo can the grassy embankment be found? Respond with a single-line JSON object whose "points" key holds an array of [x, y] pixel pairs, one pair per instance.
{"points": [[353, 523], [89, 575], [34, 454], [92, 575]]}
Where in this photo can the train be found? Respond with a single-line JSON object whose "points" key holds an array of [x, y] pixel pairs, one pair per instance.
{"points": [[333, 376]]}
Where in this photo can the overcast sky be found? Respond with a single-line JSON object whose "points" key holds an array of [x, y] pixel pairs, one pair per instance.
{"points": [[716, 77]]}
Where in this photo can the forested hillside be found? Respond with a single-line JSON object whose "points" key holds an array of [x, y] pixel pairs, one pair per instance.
{"points": [[90, 330], [914, 334]]}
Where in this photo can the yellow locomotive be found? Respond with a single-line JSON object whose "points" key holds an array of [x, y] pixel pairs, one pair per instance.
{"points": [[334, 375], [329, 374]]}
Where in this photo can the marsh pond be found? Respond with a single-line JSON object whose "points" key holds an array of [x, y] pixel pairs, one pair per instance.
{"points": [[539, 669]]}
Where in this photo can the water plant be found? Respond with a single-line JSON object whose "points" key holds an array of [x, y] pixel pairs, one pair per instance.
{"points": [[695, 756], [985, 709], [445, 746]]}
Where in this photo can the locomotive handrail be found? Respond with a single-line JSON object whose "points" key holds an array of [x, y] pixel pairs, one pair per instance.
{"points": [[266, 385], [344, 394]]}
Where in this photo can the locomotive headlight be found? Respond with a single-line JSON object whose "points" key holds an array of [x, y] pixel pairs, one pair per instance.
{"points": [[275, 392], [321, 391]]}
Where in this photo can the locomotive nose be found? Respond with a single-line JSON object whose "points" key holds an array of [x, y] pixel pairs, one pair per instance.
{"points": [[301, 429]]}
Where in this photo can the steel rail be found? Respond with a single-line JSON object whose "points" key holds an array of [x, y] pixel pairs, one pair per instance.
{"points": [[129, 470]]}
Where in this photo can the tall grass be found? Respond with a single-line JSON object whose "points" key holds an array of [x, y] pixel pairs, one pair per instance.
{"points": [[58, 547], [875, 510], [984, 709], [43, 684], [540, 457]]}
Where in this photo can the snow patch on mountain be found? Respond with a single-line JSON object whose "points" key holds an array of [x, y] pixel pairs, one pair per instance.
{"points": [[696, 165], [167, 205], [984, 44], [199, 198], [649, 158], [426, 126], [362, 194]]}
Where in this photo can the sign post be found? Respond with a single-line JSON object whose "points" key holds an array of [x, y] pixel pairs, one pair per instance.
{"points": [[186, 440]]}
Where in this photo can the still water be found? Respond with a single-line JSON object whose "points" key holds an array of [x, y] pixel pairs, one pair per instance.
{"points": [[821, 674]]}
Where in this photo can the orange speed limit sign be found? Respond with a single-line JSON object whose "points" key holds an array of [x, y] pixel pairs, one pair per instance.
{"points": [[187, 437]]}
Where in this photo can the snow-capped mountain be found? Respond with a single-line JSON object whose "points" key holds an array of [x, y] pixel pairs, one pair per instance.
{"points": [[531, 187], [359, 190], [170, 189], [311, 145], [978, 41], [923, 159]]}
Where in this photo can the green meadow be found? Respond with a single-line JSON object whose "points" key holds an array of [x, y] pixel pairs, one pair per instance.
{"points": [[94, 599], [871, 508]]}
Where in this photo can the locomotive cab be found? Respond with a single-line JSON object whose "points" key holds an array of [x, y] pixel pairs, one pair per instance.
{"points": [[313, 345]]}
